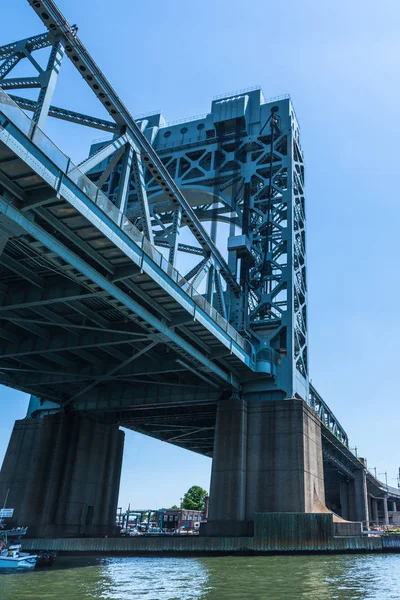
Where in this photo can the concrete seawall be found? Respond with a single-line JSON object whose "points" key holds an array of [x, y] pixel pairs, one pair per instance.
{"points": [[274, 533], [194, 545]]}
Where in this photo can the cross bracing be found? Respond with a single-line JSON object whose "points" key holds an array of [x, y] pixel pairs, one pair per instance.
{"points": [[89, 306]]}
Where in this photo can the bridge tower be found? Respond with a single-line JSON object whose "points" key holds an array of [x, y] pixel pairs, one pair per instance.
{"points": [[241, 169]]}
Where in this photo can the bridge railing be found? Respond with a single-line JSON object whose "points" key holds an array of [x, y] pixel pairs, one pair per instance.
{"points": [[395, 491], [16, 115], [327, 417]]}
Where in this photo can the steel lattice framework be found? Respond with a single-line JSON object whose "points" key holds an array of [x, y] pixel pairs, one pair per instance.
{"points": [[225, 190], [240, 165]]}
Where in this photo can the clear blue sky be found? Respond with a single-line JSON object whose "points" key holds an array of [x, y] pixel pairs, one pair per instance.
{"points": [[340, 62]]}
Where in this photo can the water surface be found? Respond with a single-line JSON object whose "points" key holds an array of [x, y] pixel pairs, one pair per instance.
{"points": [[345, 577]]}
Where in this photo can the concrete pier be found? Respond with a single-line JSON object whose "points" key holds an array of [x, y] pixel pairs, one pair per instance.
{"points": [[267, 458], [385, 510], [360, 508], [375, 513], [62, 472]]}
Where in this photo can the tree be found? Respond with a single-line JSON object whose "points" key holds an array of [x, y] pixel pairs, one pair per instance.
{"points": [[194, 498], [174, 507]]}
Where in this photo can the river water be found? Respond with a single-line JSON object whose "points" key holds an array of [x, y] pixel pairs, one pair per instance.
{"points": [[344, 577]]}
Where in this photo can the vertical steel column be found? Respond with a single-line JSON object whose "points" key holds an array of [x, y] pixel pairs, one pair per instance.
{"points": [[220, 294], [173, 238], [48, 83], [210, 285], [124, 180], [138, 175]]}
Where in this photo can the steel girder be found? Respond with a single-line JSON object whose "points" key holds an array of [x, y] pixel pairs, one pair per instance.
{"points": [[327, 417], [69, 115]]}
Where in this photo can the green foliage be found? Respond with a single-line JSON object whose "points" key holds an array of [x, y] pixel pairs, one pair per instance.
{"points": [[174, 507], [194, 498]]}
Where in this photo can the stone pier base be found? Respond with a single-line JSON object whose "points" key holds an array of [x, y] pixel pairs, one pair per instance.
{"points": [[267, 458], [62, 473]]}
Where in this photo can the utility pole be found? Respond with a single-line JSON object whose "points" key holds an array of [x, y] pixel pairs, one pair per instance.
{"points": [[385, 474]]}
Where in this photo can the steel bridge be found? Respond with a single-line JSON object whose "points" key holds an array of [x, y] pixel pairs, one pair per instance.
{"points": [[166, 273]]}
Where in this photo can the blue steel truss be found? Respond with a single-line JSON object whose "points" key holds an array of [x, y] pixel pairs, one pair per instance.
{"points": [[241, 166], [238, 169]]}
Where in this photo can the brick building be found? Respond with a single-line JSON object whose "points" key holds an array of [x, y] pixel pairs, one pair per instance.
{"points": [[182, 519]]}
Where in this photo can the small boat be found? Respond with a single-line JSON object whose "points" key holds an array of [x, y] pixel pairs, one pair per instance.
{"points": [[12, 558]]}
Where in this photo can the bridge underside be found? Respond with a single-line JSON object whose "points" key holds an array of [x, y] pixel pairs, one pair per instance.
{"points": [[188, 426], [82, 323]]}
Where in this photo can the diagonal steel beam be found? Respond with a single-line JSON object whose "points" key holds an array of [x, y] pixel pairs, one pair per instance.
{"points": [[189, 433], [48, 83], [138, 176], [102, 154], [17, 267], [197, 268], [110, 167], [47, 299], [181, 247], [22, 83], [63, 343], [54, 320], [69, 115], [114, 370], [36, 42], [124, 181]]}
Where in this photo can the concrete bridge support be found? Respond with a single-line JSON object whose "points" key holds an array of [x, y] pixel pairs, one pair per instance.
{"points": [[345, 507], [354, 501], [360, 505], [375, 513], [385, 510], [63, 472], [267, 458]]}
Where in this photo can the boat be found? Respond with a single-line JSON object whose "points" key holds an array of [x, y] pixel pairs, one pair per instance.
{"points": [[11, 556]]}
